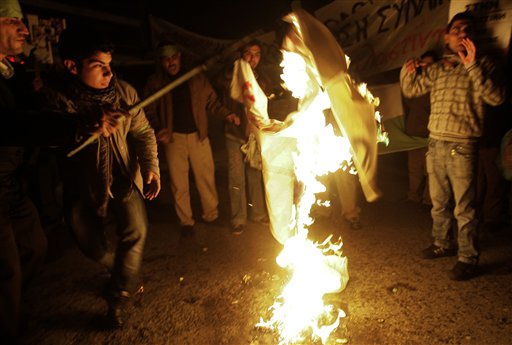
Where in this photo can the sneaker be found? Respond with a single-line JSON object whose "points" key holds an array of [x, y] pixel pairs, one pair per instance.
{"points": [[462, 271], [434, 252], [237, 229], [117, 305]]}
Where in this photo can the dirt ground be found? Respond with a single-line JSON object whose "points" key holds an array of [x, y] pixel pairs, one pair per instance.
{"points": [[213, 288]]}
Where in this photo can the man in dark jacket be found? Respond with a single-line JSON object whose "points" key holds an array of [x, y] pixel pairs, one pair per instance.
{"points": [[22, 240], [241, 176], [180, 119], [111, 169]]}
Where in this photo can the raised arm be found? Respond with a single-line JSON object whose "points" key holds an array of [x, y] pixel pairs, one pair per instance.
{"points": [[413, 83]]}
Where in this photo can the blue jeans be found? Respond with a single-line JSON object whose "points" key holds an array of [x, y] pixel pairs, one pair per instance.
{"points": [[451, 170], [128, 217], [239, 173]]}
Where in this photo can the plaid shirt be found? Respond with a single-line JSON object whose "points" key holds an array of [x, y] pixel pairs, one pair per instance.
{"points": [[458, 96]]}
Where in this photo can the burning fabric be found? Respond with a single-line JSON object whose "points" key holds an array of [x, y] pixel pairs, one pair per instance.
{"points": [[317, 72], [294, 153]]}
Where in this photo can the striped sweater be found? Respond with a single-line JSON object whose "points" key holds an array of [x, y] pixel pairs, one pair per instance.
{"points": [[458, 97]]}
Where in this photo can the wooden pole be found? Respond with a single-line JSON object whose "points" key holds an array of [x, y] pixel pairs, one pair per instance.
{"points": [[167, 88]]}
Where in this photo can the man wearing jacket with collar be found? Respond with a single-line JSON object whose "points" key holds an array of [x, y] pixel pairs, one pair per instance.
{"points": [[180, 119], [115, 173], [241, 175], [460, 86], [22, 240]]}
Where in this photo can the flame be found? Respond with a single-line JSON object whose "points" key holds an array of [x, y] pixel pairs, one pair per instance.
{"points": [[316, 269], [382, 136]]}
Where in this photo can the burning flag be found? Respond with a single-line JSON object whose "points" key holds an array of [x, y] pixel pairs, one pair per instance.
{"points": [[294, 153]]}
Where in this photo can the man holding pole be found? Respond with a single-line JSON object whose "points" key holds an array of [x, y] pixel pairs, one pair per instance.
{"points": [[103, 184], [180, 119]]}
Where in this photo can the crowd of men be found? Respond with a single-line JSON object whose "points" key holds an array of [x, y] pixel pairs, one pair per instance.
{"points": [[106, 183]]}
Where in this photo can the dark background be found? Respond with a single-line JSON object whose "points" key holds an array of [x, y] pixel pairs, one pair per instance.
{"points": [[127, 23], [128, 19]]}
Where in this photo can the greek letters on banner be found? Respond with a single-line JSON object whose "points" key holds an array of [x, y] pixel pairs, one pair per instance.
{"points": [[380, 35]]}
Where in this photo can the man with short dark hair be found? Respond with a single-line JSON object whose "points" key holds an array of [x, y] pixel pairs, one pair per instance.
{"points": [[460, 86], [245, 182], [105, 184], [180, 119]]}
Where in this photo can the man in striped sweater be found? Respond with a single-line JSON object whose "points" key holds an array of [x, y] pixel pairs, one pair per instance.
{"points": [[461, 85]]}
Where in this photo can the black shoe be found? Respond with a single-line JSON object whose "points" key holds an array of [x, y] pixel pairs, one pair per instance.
{"points": [[434, 252], [187, 231], [462, 271], [117, 304], [237, 229]]}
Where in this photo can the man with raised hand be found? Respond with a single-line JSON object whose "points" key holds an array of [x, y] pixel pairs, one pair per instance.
{"points": [[461, 85]]}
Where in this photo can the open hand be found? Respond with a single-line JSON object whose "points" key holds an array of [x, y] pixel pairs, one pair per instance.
{"points": [[469, 56], [413, 64], [164, 136], [233, 118], [152, 181]]}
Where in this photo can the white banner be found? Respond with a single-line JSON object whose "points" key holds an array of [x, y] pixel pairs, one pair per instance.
{"points": [[379, 35]]}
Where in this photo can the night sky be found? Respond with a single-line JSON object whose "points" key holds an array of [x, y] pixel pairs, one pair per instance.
{"points": [[223, 19], [216, 19]]}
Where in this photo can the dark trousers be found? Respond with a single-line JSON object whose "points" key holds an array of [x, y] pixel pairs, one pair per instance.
{"points": [[22, 250], [128, 217]]}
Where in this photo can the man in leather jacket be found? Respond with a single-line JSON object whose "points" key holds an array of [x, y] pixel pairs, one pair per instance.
{"points": [[115, 173]]}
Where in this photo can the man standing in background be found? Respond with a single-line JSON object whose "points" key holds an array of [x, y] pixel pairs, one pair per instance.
{"points": [[461, 86], [180, 119]]}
